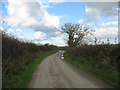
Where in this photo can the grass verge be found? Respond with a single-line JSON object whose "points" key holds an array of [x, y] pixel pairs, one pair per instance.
{"points": [[22, 78], [110, 76]]}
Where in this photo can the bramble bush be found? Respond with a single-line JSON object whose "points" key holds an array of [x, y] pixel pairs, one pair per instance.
{"points": [[17, 53], [102, 60], [107, 54]]}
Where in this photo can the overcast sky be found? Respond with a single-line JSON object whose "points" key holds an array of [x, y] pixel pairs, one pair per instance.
{"points": [[41, 20]]}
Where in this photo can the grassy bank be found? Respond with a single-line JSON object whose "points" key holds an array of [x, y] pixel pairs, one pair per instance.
{"points": [[109, 75], [17, 53], [18, 59], [22, 78]]}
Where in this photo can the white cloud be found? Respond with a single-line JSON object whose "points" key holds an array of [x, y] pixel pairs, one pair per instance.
{"points": [[92, 14], [21, 38], [49, 30], [38, 36], [32, 15], [81, 21], [19, 33], [56, 1], [58, 33], [109, 24], [55, 41], [95, 10], [1, 28], [83, 0], [107, 30], [10, 31], [50, 20], [19, 30]]}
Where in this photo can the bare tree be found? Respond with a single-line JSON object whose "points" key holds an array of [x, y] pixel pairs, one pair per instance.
{"points": [[76, 33]]}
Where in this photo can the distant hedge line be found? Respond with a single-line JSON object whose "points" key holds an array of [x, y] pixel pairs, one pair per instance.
{"points": [[106, 55], [17, 53], [101, 60]]}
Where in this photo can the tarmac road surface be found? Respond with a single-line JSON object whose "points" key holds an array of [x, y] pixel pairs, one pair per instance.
{"points": [[53, 72]]}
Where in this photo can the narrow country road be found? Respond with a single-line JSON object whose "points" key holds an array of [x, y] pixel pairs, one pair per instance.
{"points": [[56, 73]]}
